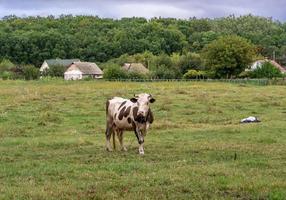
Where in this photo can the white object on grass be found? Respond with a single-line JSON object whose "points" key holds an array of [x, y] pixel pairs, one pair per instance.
{"points": [[250, 120]]}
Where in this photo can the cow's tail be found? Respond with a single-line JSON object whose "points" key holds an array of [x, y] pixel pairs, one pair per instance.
{"points": [[113, 139], [106, 107]]}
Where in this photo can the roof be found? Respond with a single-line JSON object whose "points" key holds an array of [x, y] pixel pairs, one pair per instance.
{"points": [[135, 67], [86, 68], [61, 62], [274, 63], [282, 69]]}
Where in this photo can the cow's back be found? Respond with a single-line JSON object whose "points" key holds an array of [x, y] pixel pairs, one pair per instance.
{"points": [[113, 105], [120, 111]]}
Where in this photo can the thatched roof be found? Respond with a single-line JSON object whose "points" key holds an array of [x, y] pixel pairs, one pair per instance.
{"points": [[61, 62], [135, 67], [282, 69], [86, 68]]}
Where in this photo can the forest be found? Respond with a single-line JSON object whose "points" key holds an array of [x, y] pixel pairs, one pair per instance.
{"points": [[171, 47]]}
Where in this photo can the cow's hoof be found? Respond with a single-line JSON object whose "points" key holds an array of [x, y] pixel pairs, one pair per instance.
{"points": [[124, 149], [108, 149]]}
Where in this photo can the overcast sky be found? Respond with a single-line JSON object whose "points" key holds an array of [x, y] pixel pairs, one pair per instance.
{"points": [[145, 8]]}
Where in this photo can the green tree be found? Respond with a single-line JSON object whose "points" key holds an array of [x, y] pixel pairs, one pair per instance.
{"points": [[114, 71], [190, 61], [55, 71], [228, 56], [95, 39]]}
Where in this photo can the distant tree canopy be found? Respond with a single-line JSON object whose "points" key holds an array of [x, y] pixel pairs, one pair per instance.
{"points": [[31, 40], [228, 56]]}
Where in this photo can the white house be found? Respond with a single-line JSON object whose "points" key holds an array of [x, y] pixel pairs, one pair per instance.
{"points": [[80, 70]]}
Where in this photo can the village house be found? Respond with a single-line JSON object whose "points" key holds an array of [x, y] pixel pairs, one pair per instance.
{"points": [[57, 62], [80, 70], [135, 67]]}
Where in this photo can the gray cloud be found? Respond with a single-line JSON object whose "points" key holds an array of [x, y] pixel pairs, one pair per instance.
{"points": [[145, 8]]}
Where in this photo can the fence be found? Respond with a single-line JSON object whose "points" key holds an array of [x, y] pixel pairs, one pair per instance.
{"points": [[238, 81]]}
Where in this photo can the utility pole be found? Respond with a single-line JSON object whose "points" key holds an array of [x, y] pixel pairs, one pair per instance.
{"points": [[274, 55]]}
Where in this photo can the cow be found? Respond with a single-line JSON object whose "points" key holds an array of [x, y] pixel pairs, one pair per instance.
{"points": [[128, 115]]}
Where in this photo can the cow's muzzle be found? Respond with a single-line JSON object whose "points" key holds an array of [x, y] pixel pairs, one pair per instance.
{"points": [[140, 118]]}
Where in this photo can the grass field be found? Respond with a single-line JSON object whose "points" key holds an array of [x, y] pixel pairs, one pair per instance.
{"points": [[52, 142]]}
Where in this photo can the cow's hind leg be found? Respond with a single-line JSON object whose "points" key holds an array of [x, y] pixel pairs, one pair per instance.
{"points": [[108, 133], [120, 138]]}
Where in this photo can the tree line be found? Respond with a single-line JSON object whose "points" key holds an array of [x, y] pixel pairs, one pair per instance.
{"points": [[170, 47]]}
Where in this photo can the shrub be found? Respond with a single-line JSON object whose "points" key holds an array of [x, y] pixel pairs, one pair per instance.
{"points": [[191, 74], [6, 65], [136, 75], [88, 78], [18, 72], [31, 72], [163, 72], [267, 70], [55, 71], [6, 75], [114, 72], [245, 74]]}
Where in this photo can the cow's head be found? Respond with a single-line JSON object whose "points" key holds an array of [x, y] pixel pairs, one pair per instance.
{"points": [[143, 102]]}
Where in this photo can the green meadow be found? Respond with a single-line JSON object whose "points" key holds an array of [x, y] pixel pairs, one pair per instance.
{"points": [[52, 142]]}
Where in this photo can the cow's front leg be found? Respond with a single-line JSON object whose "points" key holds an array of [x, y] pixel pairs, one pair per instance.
{"points": [[120, 137], [141, 149], [140, 139]]}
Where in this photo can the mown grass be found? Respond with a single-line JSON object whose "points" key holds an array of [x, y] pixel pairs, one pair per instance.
{"points": [[52, 143]]}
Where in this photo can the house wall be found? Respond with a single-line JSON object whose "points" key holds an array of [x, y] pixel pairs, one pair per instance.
{"points": [[44, 66], [73, 75], [256, 65]]}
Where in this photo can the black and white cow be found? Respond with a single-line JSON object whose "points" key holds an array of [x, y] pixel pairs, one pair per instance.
{"points": [[131, 115]]}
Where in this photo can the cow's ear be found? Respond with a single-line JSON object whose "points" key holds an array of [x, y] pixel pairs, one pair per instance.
{"points": [[152, 100], [133, 100]]}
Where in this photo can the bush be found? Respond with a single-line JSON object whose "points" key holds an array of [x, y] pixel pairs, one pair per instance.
{"points": [[88, 78], [6, 65], [17, 72], [31, 72], [55, 71], [136, 75], [194, 74], [267, 70], [163, 72], [6, 75], [245, 74], [114, 72]]}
